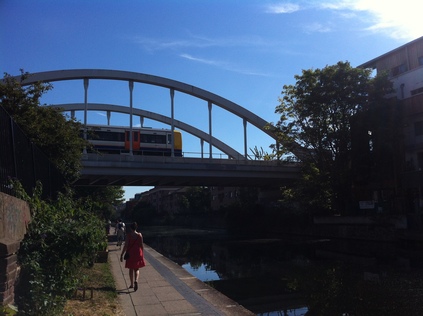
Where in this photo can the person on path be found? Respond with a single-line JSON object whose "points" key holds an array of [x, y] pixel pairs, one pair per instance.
{"points": [[133, 247], [120, 232], [109, 224]]}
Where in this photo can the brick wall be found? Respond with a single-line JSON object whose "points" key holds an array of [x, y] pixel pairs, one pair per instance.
{"points": [[14, 218]]}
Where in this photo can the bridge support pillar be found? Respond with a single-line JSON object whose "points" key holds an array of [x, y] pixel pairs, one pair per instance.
{"points": [[210, 130], [172, 120], [202, 148], [245, 138], [131, 89], [86, 81]]}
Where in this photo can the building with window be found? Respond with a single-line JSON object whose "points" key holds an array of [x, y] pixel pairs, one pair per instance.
{"points": [[405, 68], [223, 197], [166, 200]]}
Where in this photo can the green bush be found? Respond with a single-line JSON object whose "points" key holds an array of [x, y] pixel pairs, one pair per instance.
{"points": [[61, 238]]}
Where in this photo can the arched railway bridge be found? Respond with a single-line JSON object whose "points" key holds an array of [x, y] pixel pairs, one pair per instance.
{"points": [[138, 170]]}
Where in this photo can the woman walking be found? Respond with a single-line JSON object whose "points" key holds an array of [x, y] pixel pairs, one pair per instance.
{"points": [[134, 254]]}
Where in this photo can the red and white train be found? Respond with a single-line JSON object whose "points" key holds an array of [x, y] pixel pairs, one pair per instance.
{"points": [[145, 141]]}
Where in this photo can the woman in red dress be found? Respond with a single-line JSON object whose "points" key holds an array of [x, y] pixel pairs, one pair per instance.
{"points": [[135, 249]]}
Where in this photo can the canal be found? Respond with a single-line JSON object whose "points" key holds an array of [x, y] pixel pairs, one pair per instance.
{"points": [[293, 275]]}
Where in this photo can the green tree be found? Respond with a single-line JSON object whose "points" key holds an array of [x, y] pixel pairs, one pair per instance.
{"points": [[56, 135], [260, 154], [62, 237], [102, 200], [315, 114], [144, 213], [198, 199]]}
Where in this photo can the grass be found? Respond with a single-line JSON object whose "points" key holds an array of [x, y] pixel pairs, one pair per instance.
{"points": [[7, 311], [104, 302]]}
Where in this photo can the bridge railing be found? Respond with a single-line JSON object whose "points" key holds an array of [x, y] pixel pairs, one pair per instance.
{"points": [[23, 161], [214, 155], [187, 154], [183, 159]]}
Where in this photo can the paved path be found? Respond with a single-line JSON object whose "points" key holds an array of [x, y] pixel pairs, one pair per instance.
{"points": [[165, 288]]}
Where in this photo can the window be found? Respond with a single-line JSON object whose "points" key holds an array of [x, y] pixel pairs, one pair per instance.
{"points": [[417, 91], [108, 136], [418, 128], [399, 70], [421, 60], [420, 160], [153, 139]]}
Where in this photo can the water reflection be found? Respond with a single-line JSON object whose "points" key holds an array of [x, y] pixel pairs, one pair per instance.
{"points": [[296, 312], [202, 272], [294, 276]]}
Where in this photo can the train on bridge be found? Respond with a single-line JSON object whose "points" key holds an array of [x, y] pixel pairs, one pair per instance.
{"points": [[145, 141]]}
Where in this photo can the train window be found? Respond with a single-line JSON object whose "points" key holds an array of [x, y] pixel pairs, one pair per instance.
{"points": [[153, 139], [108, 136], [135, 136], [144, 138], [169, 139]]}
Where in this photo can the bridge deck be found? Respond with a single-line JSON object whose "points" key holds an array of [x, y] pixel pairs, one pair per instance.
{"points": [[126, 170]]}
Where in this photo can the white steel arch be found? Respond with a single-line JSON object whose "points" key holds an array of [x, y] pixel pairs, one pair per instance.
{"points": [[131, 77]]}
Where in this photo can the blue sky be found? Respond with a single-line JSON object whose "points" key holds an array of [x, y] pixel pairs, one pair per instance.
{"points": [[243, 50]]}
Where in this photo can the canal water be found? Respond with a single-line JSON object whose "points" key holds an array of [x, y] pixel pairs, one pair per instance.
{"points": [[292, 275]]}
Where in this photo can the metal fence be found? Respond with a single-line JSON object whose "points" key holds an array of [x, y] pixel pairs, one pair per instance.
{"points": [[23, 161]]}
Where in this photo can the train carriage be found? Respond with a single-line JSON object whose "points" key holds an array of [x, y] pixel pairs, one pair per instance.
{"points": [[145, 141]]}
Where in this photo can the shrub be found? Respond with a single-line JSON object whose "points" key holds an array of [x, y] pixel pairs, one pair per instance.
{"points": [[61, 238]]}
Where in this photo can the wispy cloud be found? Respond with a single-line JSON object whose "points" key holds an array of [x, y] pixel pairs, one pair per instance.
{"points": [[152, 44], [282, 8], [197, 41], [224, 65], [317, 27], [204, 61], [400, 20], [288, 7]]}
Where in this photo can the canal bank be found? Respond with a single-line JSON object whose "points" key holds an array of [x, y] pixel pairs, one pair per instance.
{"points": [[165, 288]]}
